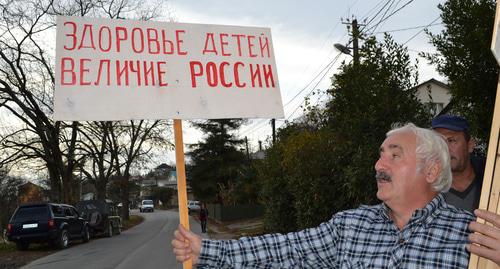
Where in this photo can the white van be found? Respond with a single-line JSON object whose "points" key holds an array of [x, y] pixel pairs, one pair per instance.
{"points": [[147, 205], [193, 205]]}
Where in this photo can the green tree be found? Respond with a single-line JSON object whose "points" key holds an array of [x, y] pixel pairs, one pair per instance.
{"points": [[324, 163], [163, 194], [8, 196], [247, 187], [279, 215], [216, 163], [464, 57], [308, 161], [366, 99]]}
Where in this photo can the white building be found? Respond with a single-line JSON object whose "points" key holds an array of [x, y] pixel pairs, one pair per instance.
{"points": [[434, 94]]}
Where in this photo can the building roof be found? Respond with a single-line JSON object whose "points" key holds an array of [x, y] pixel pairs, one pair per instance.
{"points": [[433, 80]]}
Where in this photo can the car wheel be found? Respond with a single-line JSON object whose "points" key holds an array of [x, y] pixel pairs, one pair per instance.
{"points": [[109, 231], [22, 245], [63, 240], [85, 234]]}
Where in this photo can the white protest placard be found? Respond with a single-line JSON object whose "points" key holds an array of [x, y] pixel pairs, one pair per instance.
{"points": [[121, 70]]}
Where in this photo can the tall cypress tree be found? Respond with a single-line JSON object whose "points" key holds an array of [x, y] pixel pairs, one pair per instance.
{"points": [[216, 162]]}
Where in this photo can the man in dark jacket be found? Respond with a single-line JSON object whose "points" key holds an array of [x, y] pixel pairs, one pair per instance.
{"points": [[465, 192]]}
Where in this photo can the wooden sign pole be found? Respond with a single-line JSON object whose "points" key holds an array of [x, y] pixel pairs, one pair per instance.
{"points": [[181, 181], [490, 192], [491, 183]]}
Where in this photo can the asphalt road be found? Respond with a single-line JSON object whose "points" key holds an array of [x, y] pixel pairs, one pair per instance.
{"points": [[145, 246]]}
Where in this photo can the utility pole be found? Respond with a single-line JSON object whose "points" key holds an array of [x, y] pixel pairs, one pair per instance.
{"points": [[273, 125], [248, 152], [355, 37]]}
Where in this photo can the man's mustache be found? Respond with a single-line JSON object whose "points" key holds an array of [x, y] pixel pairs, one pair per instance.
{"points": [[382, 176]]}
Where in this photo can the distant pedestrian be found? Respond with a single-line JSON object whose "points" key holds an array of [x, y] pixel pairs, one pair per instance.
{"points": [[203, 217]]}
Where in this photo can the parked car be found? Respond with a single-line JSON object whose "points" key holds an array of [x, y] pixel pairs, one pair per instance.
{"points": [[193, 206], [55, 224], [102, 215], [147, 206]]}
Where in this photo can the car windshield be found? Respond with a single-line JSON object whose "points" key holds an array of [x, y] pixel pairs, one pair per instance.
{"points": [[31, 213], [147, 202]]}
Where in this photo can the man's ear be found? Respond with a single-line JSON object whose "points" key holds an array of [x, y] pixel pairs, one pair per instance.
{"points": [[432, 172], [471, 145]]}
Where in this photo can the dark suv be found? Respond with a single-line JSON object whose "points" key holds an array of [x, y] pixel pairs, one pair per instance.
{"points": [[51, 223], [102, 216]]}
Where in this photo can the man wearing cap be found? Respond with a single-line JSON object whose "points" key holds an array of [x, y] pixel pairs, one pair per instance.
{"points": [[413, 228], [467, 170], [465, 192]]}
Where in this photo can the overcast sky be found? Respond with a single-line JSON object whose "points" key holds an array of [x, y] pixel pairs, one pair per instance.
{"points": [[303, 35]]}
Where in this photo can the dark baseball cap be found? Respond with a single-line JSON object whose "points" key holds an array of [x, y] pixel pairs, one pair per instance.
{"points": [[450, 122]]}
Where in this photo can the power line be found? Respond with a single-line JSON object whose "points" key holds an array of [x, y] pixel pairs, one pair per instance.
{"points": [[330, 67], [383, 16], [254, 128], [322, 46], [415, 35], [311, 81], [389, 8], [260, 124], [327, 68], [370, 11], [263, 131], [409, 28], [376, 14], [397, 10], [390, 15]]}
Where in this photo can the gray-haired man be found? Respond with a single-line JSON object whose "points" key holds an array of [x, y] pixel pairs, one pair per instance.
{"points": [[413, 228]]}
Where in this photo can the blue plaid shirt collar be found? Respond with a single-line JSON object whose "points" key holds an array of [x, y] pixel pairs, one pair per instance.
{"points": [[425, 215]]}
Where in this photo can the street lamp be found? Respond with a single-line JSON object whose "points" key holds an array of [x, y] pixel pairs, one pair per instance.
{"points": [[347, 50], [342, 48]]}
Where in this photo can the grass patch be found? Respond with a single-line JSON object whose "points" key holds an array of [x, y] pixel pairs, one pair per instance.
{"points": [[7, 247], [10, 246], [131, 222], [11, 258]]}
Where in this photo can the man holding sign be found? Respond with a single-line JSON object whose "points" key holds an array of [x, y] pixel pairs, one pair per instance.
{"points": [[465, 191], [413, 228]]}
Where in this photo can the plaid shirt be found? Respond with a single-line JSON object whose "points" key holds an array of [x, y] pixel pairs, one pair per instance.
{"points": [[365, 237]]}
